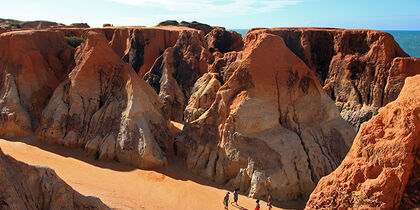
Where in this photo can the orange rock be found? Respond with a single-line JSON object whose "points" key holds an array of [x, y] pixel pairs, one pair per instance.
{"points": [[107, 109], [145, 45], [352, 65], [400, 69], [32, 64], [224, 41], [31, 187], [269, 129], [175, 72], [382, 167]]}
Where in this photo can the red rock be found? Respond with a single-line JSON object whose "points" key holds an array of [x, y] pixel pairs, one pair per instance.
{"points": [[32, 64], [352, 65], [224, 41], [107, 109], [269, 129], [382, 167], [145, 45], [33, 187], [401, 68], [174, 73]]}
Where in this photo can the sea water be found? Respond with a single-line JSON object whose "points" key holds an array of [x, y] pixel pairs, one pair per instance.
{"points": [[409, 41]]}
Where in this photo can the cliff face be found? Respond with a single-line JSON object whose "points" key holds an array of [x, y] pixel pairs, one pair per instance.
{"points": [[30, 187], [175, 72], [270, 128], [106, 108], [146, 45], [354, 66], [223, 41], [260, 113], [382, 167], [32, 64]]}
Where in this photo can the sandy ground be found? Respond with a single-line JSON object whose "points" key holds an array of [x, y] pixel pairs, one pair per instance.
{"points": [[124, 187]]}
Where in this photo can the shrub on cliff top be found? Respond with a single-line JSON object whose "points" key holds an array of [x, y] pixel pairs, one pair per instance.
{"points": [[169, 23], [74, 41]]}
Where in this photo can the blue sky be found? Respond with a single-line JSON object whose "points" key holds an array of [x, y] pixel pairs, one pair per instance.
{"points": [[372, 14]]}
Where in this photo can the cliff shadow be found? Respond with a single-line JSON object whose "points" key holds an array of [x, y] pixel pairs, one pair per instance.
{"points": [[176, 169], [76, 153]]}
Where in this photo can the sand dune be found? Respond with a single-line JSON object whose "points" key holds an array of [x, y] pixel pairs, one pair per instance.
{"points": [[124, 187]]}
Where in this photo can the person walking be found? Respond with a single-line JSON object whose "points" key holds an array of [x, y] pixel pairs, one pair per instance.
{"points": [[226, 200], [257, 207], [269, 204], [235, 196]]}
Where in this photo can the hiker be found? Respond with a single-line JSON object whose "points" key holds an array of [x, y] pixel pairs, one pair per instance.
{"points": [[257, 207], [269, 204], [235, 196], [226, 200]]}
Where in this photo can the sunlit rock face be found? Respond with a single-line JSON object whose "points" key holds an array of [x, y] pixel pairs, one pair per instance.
{"points": [[105, 107], [382, 168], [270, 128]]}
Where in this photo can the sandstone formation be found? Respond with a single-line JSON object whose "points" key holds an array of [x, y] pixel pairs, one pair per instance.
{"points": [[401, 68], [31, 187], [106, 108], [194, 24], [146, 45], [382, 168], [352, 65], [224, 41], [176, 70], [260, 112], [269, 129], [32, 64]]}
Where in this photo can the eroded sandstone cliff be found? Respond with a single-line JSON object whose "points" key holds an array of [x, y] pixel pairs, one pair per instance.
{"points": [[33, 187], [353, 66], [106, 108], [175, 72], [269, 129], [260, 113], [382, 168], [32, 64]]}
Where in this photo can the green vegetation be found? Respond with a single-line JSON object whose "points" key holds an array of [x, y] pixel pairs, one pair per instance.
{"points": [[74, 41], [10, 24]]}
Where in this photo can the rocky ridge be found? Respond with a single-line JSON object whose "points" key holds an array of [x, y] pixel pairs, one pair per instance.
{"points": [[33, 187], [32, 64], [382, 167], [260, 113], [354, 66], [105, 107], [269, 129]]}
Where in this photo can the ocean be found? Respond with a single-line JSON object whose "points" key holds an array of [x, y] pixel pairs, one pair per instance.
{"points": [[409, 41]]}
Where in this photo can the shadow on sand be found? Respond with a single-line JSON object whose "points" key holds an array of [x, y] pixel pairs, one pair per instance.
{"points": [[175, 165]]}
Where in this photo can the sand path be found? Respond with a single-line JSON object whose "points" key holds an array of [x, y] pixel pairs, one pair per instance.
{"points": [[124, 187]]}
